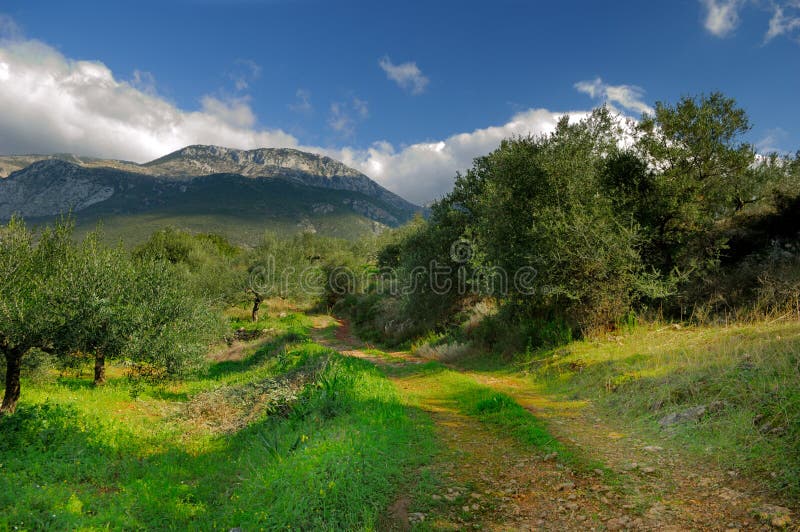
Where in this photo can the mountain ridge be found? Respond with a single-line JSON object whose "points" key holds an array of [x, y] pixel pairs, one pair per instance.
{"points": [[263, 181]]}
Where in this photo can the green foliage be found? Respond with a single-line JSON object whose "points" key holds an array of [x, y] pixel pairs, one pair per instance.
{"points": [[208, 262], [63, 297], [71, 461]]}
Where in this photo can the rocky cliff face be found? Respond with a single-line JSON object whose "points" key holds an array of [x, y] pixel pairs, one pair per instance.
{"points": [[42, 186], [200, 160], [50, 187]]}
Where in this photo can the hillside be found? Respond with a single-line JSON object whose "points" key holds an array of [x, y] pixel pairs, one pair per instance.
{"points": [[202, 188]]}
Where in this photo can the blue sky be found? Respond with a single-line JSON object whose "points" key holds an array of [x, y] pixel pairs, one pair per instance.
{"points": [[408, 92]]}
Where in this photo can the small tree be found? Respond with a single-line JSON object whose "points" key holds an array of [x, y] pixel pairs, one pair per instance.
{"points": [[29, 276], [97, 303]]}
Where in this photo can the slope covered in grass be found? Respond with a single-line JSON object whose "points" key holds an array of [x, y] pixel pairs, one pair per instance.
{"points": [[321, 442], [746, 378]]}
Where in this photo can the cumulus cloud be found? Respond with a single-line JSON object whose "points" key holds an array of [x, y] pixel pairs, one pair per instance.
{"points": [[407, 75], [629, 97], [51, 104], [424, 171], [722, 16]]}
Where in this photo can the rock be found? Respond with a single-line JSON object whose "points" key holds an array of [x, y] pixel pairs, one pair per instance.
{"points": [[566, 486], [416, 517], [436, 497], [648, 470], [630, 467], [548, 457], [653, 449], [690, 414]]}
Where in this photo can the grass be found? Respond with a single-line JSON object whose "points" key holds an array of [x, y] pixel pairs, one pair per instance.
{"points": [[495, 409], [747, 375], [329, 456]]}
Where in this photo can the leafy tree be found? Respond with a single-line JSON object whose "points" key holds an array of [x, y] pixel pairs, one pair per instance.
{"points": [[209, 263], [96, 300], [537, 206], [704, 172], [29, 275]]}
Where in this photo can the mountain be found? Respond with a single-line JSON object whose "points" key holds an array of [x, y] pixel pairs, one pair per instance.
{"points": [[239, 193]]}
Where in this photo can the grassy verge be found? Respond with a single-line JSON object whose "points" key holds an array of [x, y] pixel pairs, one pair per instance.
{"points": [[327, 454], [746, 376]]}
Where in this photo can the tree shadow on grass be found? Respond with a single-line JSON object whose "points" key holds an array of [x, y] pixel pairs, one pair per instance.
{"points": [[332, 468]]}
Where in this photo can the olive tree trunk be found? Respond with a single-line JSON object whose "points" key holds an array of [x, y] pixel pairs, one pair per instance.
{"points": [[99, 369], [256, 304], [13, 367]]}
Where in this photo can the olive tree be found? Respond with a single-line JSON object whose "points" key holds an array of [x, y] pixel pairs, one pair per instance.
{"points": [[30, 274]]}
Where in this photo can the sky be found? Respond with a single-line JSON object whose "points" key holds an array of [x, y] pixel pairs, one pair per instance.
{"points": [[407, 92]]}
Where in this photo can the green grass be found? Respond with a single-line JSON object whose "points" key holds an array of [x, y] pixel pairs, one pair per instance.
{"points": [[74, 456], [486, 405], [749, 373]]}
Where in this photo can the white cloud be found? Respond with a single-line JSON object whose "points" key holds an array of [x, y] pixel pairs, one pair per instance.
{"points": [[722, 16], [407, 75], [144, 81], [627, 96], [772, 141], [53, 104], [782, 23], [344, 116], [302, 104], [424, 171], [244, 72], [361, 107]]}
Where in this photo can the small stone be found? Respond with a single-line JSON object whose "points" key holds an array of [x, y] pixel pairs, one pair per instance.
{"points": [[599, 472], [550, 456], [690, 414], [653, 449], [631, 466], [566, 486], [416, 517], [436, 497], [648, 470]]}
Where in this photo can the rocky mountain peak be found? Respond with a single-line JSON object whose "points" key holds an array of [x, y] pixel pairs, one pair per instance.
{"points": [[262, 162]]}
